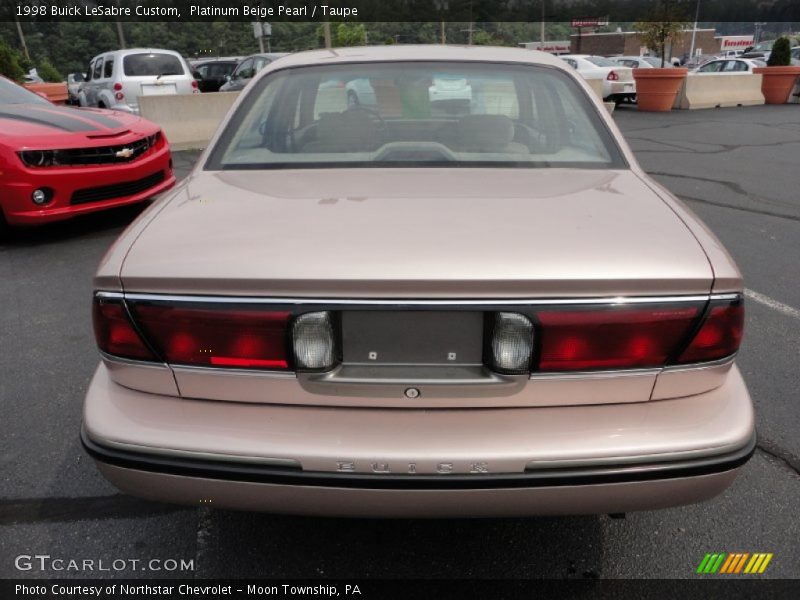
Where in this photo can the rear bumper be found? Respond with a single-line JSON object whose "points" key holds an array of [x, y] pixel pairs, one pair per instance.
{"points": [[620, 89], [16, 190], [481, 462]]}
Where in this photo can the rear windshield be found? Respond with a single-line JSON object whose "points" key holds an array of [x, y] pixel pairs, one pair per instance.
{"points": [[143, 65], [11, 93], [415, 114], [600, 61]]}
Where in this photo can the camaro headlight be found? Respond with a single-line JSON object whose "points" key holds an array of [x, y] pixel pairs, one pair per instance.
{"points": [[41, 158]]}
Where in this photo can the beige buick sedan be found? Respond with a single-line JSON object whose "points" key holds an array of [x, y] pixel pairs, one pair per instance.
{"points": [[473, 306]]}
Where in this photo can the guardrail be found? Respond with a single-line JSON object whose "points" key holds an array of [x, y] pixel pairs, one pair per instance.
{"points": [[188, 120], [715, 90]]}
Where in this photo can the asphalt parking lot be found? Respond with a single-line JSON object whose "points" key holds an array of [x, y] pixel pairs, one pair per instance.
{"points": [[737, 168]]}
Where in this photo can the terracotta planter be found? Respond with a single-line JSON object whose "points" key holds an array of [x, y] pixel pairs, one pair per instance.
{"points": [[656, 88], [777, 83]]}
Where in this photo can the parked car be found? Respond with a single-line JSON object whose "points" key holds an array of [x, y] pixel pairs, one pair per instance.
{"points": [[727, 65], [247, 69], [32, 76], [59, 162], [396, 312], [618, 82], [212, 74], [117, 79], [795, 54], [74, 82], [641, 62], [699, 60], [761, 50]]}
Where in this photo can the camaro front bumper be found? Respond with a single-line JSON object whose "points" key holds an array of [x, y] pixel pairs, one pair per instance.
{"points": [[423, 463], [114, 184]]}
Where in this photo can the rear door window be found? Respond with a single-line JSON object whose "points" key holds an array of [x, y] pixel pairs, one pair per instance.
{"points": [[108, 67]]}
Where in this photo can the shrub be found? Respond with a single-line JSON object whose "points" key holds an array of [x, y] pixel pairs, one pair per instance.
{"points": [[48, 72], [781, 55], [9, 63]]}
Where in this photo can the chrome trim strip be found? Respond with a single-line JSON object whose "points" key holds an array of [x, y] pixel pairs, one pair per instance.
{"points": [[629, 372], [615, 300], [179, 369], [595, 374], [130, 362], [722, 362], [638, 458], [231, 458]]}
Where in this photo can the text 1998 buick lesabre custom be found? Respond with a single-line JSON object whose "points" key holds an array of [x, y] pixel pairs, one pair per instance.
{"points": [[478, 306]]}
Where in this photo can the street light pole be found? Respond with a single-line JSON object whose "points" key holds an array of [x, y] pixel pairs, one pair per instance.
{"points": [[22, 39], [694, 31], [326, 30], [541, 31]]}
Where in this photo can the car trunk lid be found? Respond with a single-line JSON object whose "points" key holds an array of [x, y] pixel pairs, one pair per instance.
{"points": [[417, 233]]}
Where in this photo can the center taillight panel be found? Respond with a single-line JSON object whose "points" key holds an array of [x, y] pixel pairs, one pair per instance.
{"points": [[547, 338]]}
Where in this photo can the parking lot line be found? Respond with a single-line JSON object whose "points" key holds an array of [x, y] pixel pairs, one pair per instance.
{"points": [[773, 304]]}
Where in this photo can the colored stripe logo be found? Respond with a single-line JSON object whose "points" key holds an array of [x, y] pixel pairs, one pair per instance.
{"points": [[734, 563]]}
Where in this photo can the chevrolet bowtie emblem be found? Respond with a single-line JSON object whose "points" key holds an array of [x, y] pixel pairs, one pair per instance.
{"points": [[124, 153]]}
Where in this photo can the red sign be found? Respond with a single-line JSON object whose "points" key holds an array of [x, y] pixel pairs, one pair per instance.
{"points": [[733, 42], [590, 22]]}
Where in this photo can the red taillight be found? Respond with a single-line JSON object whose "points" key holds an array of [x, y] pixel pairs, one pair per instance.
{"points": [[194, 84], [117, 87], [119, 95], [250, 339], [612, 338], [115, 333], [720, 334], [612, 76]]}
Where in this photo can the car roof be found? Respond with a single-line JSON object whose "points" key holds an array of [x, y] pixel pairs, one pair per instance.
{"points": [[138, 51], [445, 53]]}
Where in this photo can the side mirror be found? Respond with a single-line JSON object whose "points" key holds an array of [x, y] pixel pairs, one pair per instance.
{"points": [[227, 77]]}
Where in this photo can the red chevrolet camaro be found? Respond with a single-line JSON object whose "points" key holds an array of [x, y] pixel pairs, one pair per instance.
{"points": [[58, 162]]}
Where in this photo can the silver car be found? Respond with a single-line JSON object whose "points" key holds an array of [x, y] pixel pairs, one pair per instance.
{"points": [[247, 69], [118, 79]]}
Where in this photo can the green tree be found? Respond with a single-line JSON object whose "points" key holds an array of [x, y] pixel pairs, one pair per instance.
{"points": [[667, 23], [48, 72], [9, 63], [349, 34], [781, 55], [484, 38]]}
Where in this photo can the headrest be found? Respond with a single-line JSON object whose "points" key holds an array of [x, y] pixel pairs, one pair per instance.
{"points": [[485, 133]]}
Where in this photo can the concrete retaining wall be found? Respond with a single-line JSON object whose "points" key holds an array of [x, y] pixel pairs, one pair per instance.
{"points": [[597, 86], [188, 120], [794, 97], [719, 90]]}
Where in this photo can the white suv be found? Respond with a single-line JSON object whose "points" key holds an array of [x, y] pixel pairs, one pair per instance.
{"points": [[117, 79]]}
